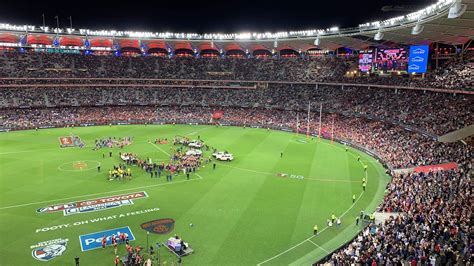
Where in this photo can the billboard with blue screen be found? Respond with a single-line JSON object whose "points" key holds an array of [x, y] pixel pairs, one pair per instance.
{"points": [[418, 59]]}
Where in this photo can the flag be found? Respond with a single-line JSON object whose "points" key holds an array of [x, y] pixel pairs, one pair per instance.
{"points": [[217, 114]]}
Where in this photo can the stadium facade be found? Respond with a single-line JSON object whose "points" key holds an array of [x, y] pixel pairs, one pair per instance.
{"points": [[447, 21]]}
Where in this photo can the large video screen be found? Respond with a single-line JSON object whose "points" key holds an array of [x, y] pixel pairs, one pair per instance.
{"points": [[418, 60], [391, 59], [365, 60]]}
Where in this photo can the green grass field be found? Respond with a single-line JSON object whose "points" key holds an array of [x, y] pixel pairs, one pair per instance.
{"points": [[242, 212]]}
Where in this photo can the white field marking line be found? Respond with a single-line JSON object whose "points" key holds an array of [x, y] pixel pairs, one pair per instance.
{"points": [[156, 146], [80, 170], [13, 152], [200, 177], [245, 169], [323, 249], [98, 194], [272, 174], [197, 131], [324, 229], [309, 238]]}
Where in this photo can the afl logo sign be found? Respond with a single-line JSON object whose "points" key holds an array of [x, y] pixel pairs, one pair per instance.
{"points": [[160, 226]]}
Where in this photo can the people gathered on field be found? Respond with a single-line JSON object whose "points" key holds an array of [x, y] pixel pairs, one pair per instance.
{"points": [[182, 160], [112, 142]]}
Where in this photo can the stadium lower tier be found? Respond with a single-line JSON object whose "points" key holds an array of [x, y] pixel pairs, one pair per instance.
{"points": [[431, 210], [430, 112]]}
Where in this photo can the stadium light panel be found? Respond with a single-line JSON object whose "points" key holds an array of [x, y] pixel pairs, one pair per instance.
{"points": [[317, 41], [417, 29], [456, 10], [378, 36]]}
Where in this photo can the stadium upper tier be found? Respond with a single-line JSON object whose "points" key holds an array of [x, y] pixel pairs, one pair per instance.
{"points": [[447, 21], [60, 69]]}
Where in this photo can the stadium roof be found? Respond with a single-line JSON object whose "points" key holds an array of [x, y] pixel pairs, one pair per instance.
{"points": [[428, 25], [439, 28]]}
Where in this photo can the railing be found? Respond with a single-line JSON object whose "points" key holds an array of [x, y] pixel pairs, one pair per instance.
{"points": [[197, 81]]}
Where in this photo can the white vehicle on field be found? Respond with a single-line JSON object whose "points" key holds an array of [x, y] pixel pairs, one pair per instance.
{"points": [[195, 144], [194, 152], [223, 156], [215, 154]]}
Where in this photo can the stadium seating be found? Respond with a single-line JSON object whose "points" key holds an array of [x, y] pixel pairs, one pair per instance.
{"points": [[428, 112], [456, 75]]}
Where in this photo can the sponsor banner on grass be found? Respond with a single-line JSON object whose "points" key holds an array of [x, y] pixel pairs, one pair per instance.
{"points": [[94, 204], [96, 220], [48, 250], [94, 240], [436, 167], [285, 175], [97, 207], [66, 142], [160, 226]]}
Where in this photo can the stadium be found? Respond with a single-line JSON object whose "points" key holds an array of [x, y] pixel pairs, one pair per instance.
{"points": [[326, 146]]}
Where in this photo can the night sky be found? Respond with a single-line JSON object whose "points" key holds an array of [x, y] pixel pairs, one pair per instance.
{"points": [[202, 16]]}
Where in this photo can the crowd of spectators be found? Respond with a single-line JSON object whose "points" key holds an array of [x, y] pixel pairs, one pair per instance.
{"points": [[431, 112], [72, 65], [455, 75], [433, 227]]}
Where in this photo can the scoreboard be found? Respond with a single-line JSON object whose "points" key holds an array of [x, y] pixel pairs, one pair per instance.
{"points": [[394, 59], [366, 60], [391, 59]]}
